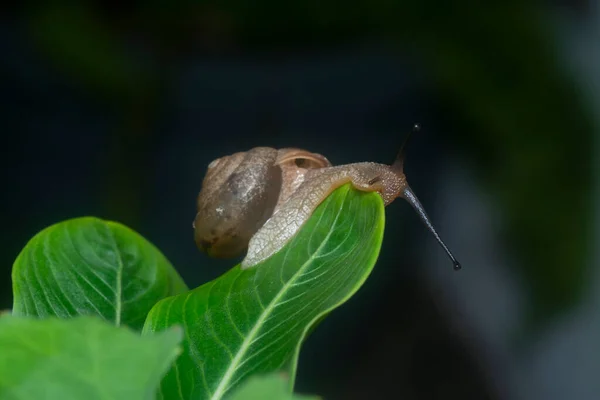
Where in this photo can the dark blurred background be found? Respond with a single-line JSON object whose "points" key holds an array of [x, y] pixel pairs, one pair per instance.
{"points": [[115, 110]]}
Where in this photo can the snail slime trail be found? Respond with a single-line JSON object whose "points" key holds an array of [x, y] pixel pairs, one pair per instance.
{"points": [[256, 201]]}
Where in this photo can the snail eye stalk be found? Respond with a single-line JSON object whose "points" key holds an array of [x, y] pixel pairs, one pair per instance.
{"points": [[412, 199]]}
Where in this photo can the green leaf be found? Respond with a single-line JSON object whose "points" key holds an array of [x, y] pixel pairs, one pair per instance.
{"points": [[253, 321], [87, 266], [81, 358], [271, 387]]}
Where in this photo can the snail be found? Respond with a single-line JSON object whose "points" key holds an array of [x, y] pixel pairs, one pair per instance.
{"points": [[256, 201]]}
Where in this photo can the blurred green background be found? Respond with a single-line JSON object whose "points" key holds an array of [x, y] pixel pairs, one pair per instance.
{"points": [[115, 110]]}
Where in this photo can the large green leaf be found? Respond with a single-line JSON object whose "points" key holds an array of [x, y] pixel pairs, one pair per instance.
{"points": [[272, 387], [253, 321], [81, 358], [87, 266]]}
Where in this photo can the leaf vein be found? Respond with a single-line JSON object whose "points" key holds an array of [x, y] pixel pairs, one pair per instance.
{"points": [[119, 277], [229, 373]]}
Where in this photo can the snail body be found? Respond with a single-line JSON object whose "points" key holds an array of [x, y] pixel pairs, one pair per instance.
{"points": [[318, 184], [259, 199]]}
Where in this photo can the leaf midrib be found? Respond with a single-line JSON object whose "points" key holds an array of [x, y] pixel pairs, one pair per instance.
{"points": [[119, 278], [223, 385]]}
